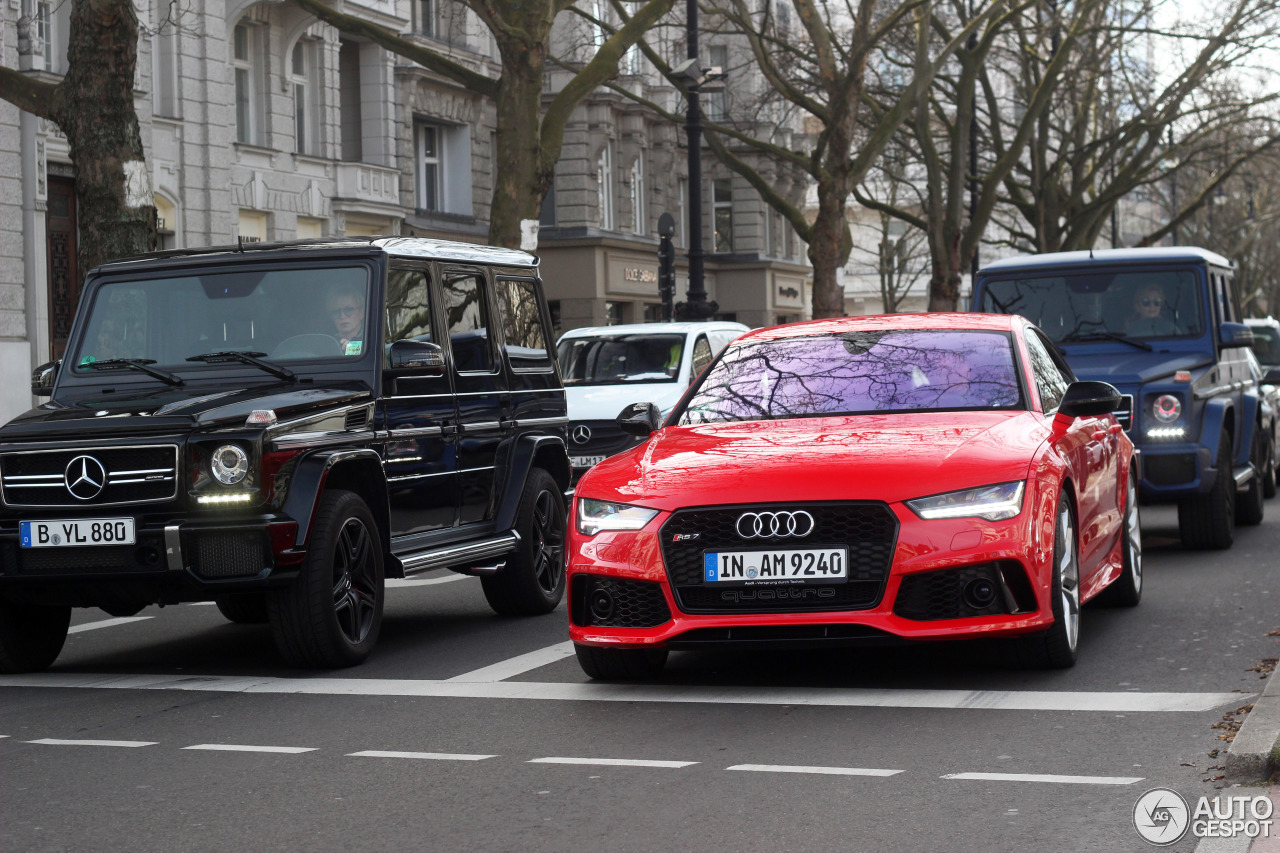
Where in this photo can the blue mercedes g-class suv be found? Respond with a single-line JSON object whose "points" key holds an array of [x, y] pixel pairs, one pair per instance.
{"points": [[1163, 325]]}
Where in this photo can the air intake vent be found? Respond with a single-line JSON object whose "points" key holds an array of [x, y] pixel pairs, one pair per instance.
{"points": [[357, 419]]}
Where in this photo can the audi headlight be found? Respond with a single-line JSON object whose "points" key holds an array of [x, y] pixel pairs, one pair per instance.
{"points": [[994, 503], [1167, 408], [594, 516], [229, 464]]}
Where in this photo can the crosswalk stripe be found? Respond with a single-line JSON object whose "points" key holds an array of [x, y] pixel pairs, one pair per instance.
{"points": [[518, 665], [613, 762], [1000, 700], [107, 623], [239, 747], [830, 771], [128, 744], [430, 756], [1046, 777]]}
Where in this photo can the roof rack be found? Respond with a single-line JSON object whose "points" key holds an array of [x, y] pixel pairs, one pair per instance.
{"points": [[240, 247]]}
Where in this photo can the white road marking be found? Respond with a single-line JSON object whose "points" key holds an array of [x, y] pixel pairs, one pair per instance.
{"points": [[129, 744], [989, 700], [517, 665], [202, 603], [392, 583], [239, 747], [1045, 777], [612, 762], [430, 756], [832, 771], [107, 623]]}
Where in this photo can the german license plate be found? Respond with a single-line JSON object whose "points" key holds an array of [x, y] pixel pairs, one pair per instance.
{"points": [[76, 532], [808, 565], [585, 461]]}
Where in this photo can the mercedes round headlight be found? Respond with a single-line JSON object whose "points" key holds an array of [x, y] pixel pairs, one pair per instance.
{"points": [[1167, 408], [229, 464]]}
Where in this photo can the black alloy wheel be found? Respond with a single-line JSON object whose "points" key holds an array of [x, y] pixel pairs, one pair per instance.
{"points": [[533, 580], [1269, 468], [1208, 521], [332, 614], [1250, 504]]}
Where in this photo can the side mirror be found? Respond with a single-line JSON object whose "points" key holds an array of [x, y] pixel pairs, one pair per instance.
{"points": [[421, 358], [640, 419], [1086, 399], [1235, 335], [43, 377], [1272, 377]]}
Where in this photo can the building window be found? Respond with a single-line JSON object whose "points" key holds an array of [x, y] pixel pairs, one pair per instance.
{"points": [[306, 125], [310, 229], [425, 17], [722, 204], [349, 101], [248, 93], [631, 59], [717, 57], [637, 195], [44, 31], [547, 215], [164, 64], [604, 188], [597, 26], [429, 175], [253, 227]]}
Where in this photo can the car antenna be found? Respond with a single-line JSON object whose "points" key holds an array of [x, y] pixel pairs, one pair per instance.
{"points": [[240, 242], [1090, 252]]}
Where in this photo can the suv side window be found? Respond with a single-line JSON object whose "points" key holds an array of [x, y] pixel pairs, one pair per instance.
{"points": [[526, 342], [1050, 380], [702, 355], [467, 317], [408, 308]]}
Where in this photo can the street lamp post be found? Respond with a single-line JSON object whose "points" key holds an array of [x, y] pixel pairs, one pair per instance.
{"points": [[697, 307]]}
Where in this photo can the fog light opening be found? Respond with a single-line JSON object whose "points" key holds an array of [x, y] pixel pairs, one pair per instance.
{"points": [[601, 604], [979, 593]]}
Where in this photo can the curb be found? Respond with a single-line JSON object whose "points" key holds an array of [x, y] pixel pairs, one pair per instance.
{"points": [[1253, 756]]}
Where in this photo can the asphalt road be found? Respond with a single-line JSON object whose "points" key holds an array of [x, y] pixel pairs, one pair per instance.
{"points": [[180, 731]]}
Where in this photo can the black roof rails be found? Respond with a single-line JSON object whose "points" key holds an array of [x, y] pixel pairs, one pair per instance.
{"points": [[240, 246]]}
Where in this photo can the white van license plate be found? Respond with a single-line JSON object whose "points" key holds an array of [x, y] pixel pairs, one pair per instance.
{"points": [[76, 532]]}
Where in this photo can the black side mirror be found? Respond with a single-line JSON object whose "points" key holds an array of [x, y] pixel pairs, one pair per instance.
{"points": [[1089, 399], [640, 419], [1235, 335], [1272, 377], [421, 358], [43, 377]]}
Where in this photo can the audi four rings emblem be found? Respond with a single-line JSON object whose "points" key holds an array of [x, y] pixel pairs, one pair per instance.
{"points": [[85, 477], [768, 525], [581, 434]]}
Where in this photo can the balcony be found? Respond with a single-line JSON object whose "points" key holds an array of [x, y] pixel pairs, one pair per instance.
{"points": [[361, 184]]}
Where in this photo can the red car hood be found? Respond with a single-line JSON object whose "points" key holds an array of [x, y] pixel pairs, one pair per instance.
{"points": [[860, 457]]}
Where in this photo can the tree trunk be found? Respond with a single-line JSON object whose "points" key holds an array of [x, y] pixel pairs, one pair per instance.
{"points": [[944, 286], [94, 107], [520, 178], [825, 255]]}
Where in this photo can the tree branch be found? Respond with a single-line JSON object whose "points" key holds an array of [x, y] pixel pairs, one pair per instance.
{"points": [[28, 93]]}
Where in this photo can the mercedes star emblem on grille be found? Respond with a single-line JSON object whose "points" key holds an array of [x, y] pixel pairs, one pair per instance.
{"points": [[85, 477], [766, 525], [581, 434]]}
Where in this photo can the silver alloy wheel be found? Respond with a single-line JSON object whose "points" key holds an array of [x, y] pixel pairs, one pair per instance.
{"points": [[1133, 532], [1069, 577]]}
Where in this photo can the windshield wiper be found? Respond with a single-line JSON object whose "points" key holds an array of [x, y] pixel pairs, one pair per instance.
{"points": [[1099, 335], [136, 364], [243, 357]]}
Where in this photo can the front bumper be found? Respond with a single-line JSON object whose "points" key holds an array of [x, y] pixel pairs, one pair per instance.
{"points": [[936, 547], [174, 559], [1173, 471]]}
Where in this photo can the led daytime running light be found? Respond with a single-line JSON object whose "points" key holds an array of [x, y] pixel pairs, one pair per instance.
{"points": [[993, 503], [1166, 432], [595, 516], [228, 498]]}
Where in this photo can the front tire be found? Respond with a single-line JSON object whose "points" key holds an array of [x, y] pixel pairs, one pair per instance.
{"points": [[330, 616], [1056, 647], [31, 637], [1126, 590], [1269, 469], [1208, 522], [620, 664], [533, 580]]}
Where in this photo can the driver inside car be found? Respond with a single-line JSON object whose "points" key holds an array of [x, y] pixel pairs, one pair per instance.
{"points": [[346, 310]]}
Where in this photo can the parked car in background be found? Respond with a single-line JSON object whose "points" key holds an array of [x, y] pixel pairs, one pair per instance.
{"points": [[918, 476], [1266, 348], [278, 428], [1165, 327], [606, 368]]}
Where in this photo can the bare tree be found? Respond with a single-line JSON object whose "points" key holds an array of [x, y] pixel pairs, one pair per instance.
{"points": [[93, 105], [529, 136]]}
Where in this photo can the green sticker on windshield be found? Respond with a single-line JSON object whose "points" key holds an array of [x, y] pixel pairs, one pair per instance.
{"points": [[354, 347], [88, 359]]}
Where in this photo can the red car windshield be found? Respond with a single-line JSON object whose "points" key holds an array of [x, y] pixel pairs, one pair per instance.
{"points": [[858, 373]]}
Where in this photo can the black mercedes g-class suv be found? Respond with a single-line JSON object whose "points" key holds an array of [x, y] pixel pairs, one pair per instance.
{"points": [[280, 427]]}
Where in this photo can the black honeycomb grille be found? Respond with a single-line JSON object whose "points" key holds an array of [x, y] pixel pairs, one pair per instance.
{"points": [[929, 596], [636, 604], [229, 555], [868, 530]]}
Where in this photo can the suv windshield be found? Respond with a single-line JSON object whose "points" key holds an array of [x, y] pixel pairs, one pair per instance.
{"points": [[1266, 344], [282, 314], [617, 359], [858, 373], [1098, 306]]}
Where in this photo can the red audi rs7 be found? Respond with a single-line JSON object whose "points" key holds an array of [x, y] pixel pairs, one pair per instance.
{"points": [[918, 476]]}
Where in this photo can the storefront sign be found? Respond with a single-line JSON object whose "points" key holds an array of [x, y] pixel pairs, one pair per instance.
{"points": [[640, 275]]}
